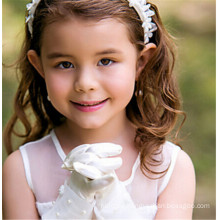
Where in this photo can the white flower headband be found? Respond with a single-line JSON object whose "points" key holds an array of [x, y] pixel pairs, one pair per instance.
{"points": [[141, 7], [31, 8], [145, 14]]}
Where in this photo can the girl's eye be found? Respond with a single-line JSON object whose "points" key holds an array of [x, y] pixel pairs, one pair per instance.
{"points": [[65, 65], [105, 62]]}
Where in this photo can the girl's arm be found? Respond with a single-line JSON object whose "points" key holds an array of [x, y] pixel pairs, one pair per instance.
{"points": [[176, 201], [18, 199]]}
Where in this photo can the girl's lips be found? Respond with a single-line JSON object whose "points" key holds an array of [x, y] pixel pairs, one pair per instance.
{"points": [[89, 106]]}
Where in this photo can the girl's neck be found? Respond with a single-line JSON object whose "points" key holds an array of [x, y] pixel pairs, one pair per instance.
{"points": [[119, 131]]}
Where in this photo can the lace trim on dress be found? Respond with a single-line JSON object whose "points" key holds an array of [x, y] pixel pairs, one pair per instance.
{"points": [[57, 145], [26, 166]]}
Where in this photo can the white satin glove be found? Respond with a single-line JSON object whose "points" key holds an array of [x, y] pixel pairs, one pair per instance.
{"points": [[92, 169], [115, 203], [94, 177]]}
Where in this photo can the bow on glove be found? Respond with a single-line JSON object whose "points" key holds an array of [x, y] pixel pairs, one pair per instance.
{"points": [[92, 169]]}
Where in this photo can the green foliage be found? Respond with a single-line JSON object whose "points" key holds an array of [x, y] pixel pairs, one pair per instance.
{"points": [[196, 73]]}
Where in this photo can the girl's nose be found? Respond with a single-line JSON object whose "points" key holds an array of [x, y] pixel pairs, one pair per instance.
{"points": [[85, 81]]}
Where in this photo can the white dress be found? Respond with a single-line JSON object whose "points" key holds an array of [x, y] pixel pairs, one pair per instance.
{"points": [[42, 163]]}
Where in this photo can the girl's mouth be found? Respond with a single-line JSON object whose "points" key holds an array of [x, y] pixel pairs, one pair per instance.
{"points": [[89, 106]]}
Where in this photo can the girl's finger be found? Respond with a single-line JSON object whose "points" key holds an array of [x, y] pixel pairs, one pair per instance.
{"points": [[107, 165], [88, 171], [105, 149], [75, 153], [85, 158]]}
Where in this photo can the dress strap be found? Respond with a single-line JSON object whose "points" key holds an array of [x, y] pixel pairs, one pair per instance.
{"points": [[26, 166], [57, 145], [134, 168], [167, 177]]}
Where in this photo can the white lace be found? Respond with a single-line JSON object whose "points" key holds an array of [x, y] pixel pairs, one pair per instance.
{"points": [[145, 14]]}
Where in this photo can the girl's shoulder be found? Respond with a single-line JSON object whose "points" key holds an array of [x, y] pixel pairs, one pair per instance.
{"points": [[37, 161], [12, 162], [174, 156], [44, 141], [183, 167], [177, 159], [169, 147], [15, 158], [13, 168], [166, 156], [43, 150], [179, 191], [17, 196], [177, 162], [15, 163]]}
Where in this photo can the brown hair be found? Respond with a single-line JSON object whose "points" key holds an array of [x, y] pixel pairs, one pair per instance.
{"points": [[154, 112]]}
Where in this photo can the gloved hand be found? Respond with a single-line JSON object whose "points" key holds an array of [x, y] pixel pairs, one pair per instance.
{"points": [[92, 169], [115, 202]]}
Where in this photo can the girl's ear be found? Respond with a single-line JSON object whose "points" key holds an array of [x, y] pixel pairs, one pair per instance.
{"points": [[143, 58], [35, 61]]}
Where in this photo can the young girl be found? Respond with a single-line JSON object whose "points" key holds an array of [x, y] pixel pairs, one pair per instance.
{"points": [[97, 76]]}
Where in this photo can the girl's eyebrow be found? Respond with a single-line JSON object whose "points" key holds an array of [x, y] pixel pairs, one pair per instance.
{"points": [[58, 55], [54, 55], [108, 51]]}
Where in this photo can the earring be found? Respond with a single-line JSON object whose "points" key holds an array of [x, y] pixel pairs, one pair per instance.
{"points": [[48, 98], [138, 93]]}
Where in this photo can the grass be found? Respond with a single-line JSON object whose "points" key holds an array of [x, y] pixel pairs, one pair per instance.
{"points": [[193, 23]]}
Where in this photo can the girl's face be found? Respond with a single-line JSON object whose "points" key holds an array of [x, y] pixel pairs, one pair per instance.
{"points": [[89, 68]]}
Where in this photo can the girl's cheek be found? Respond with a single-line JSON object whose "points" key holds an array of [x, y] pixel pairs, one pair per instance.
{"points": [[58, 83]]}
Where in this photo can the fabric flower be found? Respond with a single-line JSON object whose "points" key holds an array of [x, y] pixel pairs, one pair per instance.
{"points": [[31, 8], [145, 14]]}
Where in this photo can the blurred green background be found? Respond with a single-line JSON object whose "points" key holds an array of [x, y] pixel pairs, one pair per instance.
{"points": [[192, 22]]}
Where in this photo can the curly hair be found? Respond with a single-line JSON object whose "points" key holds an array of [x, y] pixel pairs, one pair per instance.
{"points": [[154, 112]]}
